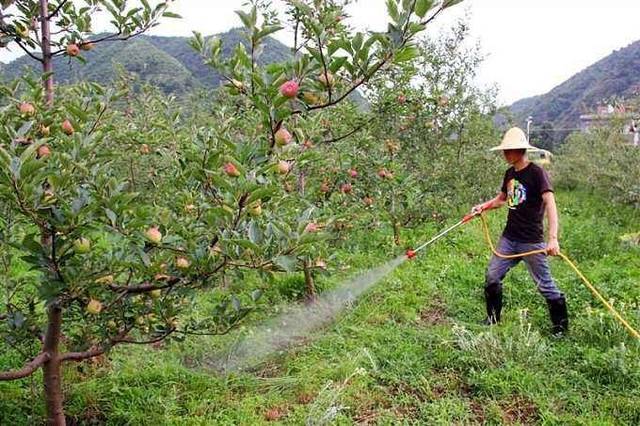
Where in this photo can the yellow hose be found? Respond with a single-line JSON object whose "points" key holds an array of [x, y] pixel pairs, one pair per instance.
{"points": [[590, 286]]}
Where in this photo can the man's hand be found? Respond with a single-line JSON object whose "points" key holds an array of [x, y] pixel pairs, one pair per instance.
{"points": [[479, 208], [553, 247]]}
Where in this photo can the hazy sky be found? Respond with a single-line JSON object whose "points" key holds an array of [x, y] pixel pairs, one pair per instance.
{"points": [[531, 45]]}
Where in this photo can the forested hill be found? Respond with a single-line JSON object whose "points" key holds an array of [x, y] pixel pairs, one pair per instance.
{"points": [[617, 75]]}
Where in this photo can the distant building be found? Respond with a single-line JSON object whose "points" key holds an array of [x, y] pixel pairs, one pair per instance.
{"points": [[607, 114]]}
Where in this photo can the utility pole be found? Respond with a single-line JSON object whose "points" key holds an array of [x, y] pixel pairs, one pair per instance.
{"points": [[529, 121]]}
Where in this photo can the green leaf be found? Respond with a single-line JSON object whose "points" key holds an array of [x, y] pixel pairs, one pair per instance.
{"points": [[288, 263], [24, 129], [235, 303], [171, 15], [245, 18], [112, 216], [357, 41], [392, 9], [422, 7], [268, 30], [405, 54], [255, 234], [451, 3], [337, 64], [256, 294]]}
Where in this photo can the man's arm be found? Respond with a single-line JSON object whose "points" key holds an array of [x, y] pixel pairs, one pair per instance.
{"points": [[553, 247]]}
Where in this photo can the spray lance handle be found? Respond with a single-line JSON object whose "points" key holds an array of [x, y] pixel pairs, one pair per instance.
{"points": [[477, 211], [411, 254]]}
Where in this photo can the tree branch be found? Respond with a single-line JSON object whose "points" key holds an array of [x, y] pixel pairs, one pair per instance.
{"points": [[27, 370], [97, 122], [428, 21], [37, 58], [55, 12], [144, 288], [99, 350], [350, 133]]}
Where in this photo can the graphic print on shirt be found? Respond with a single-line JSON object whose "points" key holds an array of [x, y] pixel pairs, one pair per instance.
{"points": [[516, 194]]}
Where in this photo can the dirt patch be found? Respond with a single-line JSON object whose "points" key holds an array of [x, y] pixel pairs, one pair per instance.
{"points": [[477, 409], [305, 398], [434, 314], [90, 416], [269, 371], [519, 410], [397, 389], [406, 412], [367, 417]]}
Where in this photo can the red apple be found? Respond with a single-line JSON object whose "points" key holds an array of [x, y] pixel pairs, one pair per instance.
{"points": [[283, 137], [311, 228], [154, 235], [353, 173], [283, 167], [326, 79], [27, 108], [44, 151], [73, 49], [67, 128], [289, 89], [94, 307], [182, 263], [346, 188], [231, 170]]}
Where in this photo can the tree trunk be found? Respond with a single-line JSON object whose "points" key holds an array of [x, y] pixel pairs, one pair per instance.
{"points": [[396, 232], [310, 287], [52, 368], [47, 58], [301, 183]]}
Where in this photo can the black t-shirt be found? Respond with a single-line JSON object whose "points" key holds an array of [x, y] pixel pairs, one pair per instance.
{"points": [[524, 191]]}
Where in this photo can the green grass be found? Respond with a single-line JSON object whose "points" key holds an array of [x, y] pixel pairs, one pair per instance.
{"points": [[409, 352]]}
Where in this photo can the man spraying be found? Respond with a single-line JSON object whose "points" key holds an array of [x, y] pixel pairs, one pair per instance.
{"points": [[528, 193]]}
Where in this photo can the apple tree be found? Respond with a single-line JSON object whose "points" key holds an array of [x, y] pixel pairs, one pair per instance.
{"points": [[430, 133], [292, 101]]}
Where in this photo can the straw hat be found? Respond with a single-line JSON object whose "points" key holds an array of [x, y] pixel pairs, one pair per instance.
{"points": [[515, 138]]}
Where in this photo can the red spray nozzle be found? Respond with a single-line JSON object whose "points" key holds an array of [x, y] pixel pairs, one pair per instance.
{"points": [[411, 254]]}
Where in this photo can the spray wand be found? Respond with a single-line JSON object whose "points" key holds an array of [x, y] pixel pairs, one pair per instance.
{"points": [[411, 253]]}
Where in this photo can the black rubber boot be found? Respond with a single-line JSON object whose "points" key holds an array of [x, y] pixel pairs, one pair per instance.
{"points": [[559, 316], [493, 299]]}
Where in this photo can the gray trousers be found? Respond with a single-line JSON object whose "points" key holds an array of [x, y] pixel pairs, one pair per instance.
{"points": [[537, 265]]}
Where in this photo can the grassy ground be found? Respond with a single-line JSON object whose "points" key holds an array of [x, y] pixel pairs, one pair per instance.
{"points": [[410, 351]]}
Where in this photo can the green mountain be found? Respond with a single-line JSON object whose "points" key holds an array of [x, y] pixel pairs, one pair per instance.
{"points": [[168, 62], [616, 76]]}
